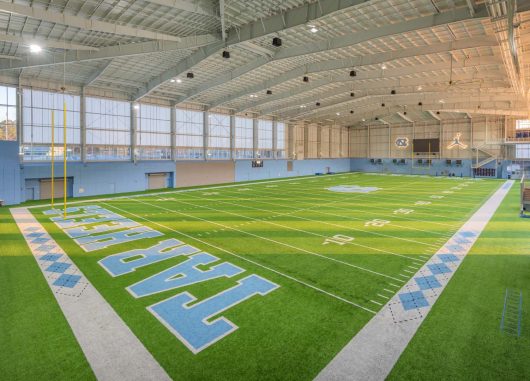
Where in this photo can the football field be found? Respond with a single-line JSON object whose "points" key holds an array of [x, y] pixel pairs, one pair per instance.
{"points": [[288, 271]]}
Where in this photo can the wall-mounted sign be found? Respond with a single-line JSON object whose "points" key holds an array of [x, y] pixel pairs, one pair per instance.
{"points": [[456, 142], [402, 142]]}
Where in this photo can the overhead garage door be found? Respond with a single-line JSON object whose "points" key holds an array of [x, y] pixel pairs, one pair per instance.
{"points": [[46, 189], [157, 180]]}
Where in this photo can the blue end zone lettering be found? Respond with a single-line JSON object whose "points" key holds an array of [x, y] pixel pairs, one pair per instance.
{"points": [[101, 215], [51, 212], [99, 242], [81, 231], [117, 265], [190, 323], [184, 274]]}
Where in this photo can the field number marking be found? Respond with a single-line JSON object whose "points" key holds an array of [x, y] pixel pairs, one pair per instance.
{"points": [[339, 239], [376, 222], [403, 211]]}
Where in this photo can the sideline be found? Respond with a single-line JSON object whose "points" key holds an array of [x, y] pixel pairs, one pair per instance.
{"points": [[111, 348], [373, 352]]}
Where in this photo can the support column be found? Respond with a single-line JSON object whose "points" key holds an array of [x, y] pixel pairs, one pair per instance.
{"points": [[319, 141], [20, 116], [232, 135], [330, 143], [368, 149], [173, 127], [205, 133], [255, 141], [82, 124], [274, 137], [134, 127], [341, 154], [306, 140], [291, 153]]}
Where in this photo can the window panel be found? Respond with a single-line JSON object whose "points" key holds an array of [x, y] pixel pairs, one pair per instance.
{"points": [[244, 140], [189, 134], [108, 129], [8, 113], [153, 132], [38, 107]]}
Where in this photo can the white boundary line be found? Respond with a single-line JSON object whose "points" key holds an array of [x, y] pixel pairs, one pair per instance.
{"points": [[373, 351], [111, 348]]}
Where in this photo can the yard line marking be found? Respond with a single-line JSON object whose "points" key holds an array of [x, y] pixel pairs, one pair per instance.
{"points": [[300, 230], [408, 271], [379, 304], [277, 242], [320, 222], [383, 296], [194, 189], [387, 290], [395, 285], [246, 259], [374, 350]]}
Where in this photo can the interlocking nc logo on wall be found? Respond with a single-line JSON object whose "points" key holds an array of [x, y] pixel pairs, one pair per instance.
{"points": [[402, 142], [456, 142]]}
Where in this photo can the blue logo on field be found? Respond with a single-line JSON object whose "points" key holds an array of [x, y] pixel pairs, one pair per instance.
{"points": [[352, 189]]}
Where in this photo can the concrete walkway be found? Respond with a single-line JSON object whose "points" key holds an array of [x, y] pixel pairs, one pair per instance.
{"points": [[373, 352], [112, 350]]}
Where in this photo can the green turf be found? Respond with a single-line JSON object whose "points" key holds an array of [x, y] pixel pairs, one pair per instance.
{"points": [[461, 339], [293, 332], [36, 341]]}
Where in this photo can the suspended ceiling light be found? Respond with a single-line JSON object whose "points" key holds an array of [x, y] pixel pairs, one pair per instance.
{"points": [[302, 106], [420, 88], [313, 29], [383, 66], [338, 113], [33, 48], [441, 101], [136, 107], [179, 80]]}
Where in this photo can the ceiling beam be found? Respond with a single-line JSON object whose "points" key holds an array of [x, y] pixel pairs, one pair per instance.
{"points": [[404, 117], [390, 77], [44, 42], [109, 52], [82, 22], [275, 23], [472, 6], [335, 96], [200, 7], [375, 101], [96, 74], [367, 60], [434, 115]]}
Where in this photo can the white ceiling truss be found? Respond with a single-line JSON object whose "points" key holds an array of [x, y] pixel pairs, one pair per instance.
{"points": [[471, 54]]}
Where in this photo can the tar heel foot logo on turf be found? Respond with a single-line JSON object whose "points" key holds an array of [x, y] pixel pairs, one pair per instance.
{"points": [[402, 142], [352, 189], [196, 323]]}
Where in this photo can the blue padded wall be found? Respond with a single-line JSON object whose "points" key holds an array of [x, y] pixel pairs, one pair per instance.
{"points": [[93, 179], [10, 191], [278, 168]]}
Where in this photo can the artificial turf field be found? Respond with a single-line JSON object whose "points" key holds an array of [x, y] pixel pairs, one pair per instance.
{"points": [[283, 231]]}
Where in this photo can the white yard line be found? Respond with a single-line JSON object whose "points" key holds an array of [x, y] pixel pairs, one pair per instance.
{"points": [[243, 184], [243, 258], [373, 272], [372, 353], [111, 348]]}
